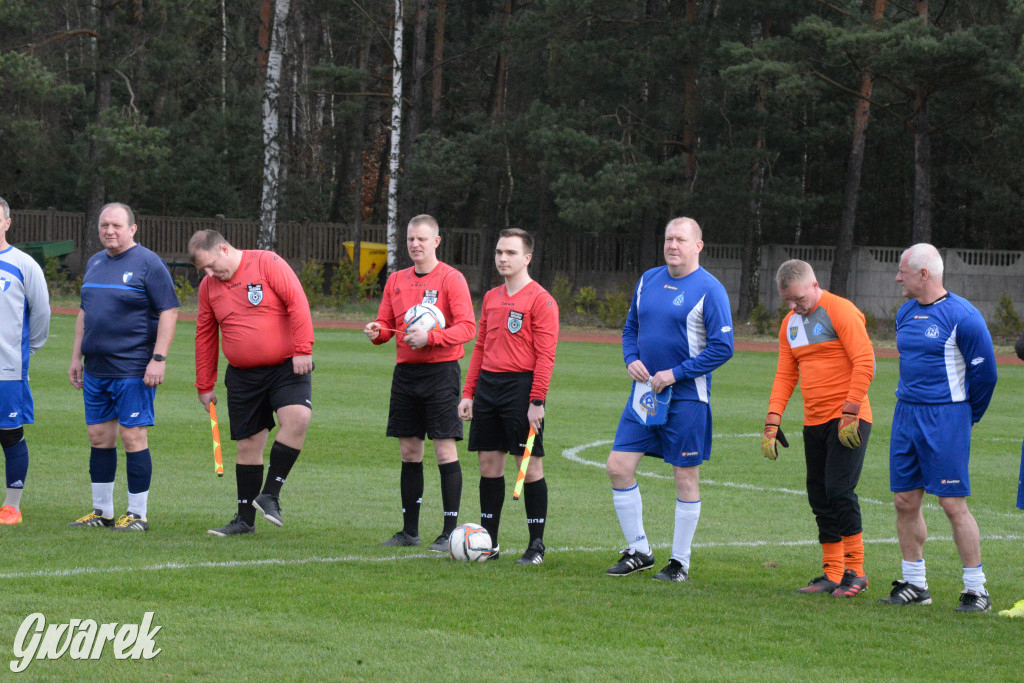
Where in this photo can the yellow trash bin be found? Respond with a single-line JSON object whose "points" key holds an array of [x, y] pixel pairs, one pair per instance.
{"points": [[373, 256]]}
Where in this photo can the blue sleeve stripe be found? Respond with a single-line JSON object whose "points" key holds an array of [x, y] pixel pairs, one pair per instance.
{"points": [[92, 284], [13, 270]]}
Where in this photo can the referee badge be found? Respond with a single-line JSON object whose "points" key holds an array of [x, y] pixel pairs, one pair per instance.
{"points": [[430, 296], [255, 294], [515, 321]]}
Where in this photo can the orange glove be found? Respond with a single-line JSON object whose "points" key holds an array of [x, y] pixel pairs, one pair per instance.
{"points": [[772, 436], [849, 425]]}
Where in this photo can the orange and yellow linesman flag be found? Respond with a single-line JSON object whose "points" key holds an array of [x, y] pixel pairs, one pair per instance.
{"points": [[521, 478], [218, 461]]}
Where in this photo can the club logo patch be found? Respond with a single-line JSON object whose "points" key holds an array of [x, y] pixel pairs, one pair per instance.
{"points": [[430, 296], [515, 321], [793, 330], [5, 284], [932, 332], [678, 301], [818, 329], [127, 276], [255, 294]]}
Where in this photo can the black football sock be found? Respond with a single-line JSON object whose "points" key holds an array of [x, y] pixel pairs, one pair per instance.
{"points": [[282, 458], [535, 495], [412, 496], [451, 494], [492, 497], [249, 479]]}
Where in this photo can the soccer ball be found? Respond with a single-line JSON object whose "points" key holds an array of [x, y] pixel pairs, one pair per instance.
{"points": [[424, 317], [469, 543]]}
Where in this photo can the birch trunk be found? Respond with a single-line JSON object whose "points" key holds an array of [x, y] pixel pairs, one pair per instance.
{"points": [[271, 142], [396, 142]]}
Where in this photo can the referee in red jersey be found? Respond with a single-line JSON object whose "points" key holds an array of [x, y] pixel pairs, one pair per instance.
{"points": [[256, 302], [506, 386], [425, 383]]}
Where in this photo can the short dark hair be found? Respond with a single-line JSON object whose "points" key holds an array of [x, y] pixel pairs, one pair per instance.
{"points": [[205, 240], [119, 205], [526, 237]]}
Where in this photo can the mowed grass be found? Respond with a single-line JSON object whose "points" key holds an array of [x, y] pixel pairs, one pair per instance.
{"points": [[321, 599]]}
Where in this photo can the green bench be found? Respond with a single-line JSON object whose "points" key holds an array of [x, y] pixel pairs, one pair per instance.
{"points": [[41, 251]]}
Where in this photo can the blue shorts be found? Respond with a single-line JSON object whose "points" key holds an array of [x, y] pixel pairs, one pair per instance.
{"points": [[930, 448], [126, 399], [15, 404], [683, 441]]}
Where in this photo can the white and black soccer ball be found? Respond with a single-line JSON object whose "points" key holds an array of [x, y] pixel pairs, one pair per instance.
{"points": [[424, 317], [469, 543]]}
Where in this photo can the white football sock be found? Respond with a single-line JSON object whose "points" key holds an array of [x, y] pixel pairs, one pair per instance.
{"points": [[103, 498], [630, 509], [913, 573], [974, 579], [687, 516], [137, 503], [13, 498]]}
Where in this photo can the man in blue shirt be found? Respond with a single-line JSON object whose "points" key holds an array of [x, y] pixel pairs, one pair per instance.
{"points": [[947, 375], [124, 330], [678, 330], [24, 326]]}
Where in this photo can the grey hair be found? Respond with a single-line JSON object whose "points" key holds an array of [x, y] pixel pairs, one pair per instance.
{"points": [[924, 255], [794, 270]]}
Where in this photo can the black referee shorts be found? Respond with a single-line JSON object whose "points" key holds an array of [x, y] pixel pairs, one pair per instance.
{"points": [[425, 401], [255, 393], [500, 408]]}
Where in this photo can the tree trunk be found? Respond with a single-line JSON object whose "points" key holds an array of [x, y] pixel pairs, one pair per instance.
{"points": [[271, 139], [263, 40], [101, 104], [396, 141], [839, 280], [690, 98], [438, 67], [921, 228], [412, 128], [750, 261]]}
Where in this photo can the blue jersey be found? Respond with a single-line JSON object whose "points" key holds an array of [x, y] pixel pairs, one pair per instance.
{"points": [[122, 297], [24, 313], [946, 354], [683, 324]]}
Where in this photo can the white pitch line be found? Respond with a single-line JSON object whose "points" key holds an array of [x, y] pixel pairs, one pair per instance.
{"points": [[572, 454], [231, 564]]}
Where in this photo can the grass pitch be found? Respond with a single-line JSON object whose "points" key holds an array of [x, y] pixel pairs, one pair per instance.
{"points": [[321, 599]]}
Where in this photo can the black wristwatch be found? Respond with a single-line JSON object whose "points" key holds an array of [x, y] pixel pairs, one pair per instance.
{"points": [[537, 402], [159, 357]]}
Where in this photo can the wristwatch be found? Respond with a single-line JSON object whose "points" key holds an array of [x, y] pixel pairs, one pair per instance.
{"points": [[537, 402], [159, 357]]}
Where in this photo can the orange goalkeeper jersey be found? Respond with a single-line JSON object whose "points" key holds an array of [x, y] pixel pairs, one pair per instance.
{"points": [[829, 353]]}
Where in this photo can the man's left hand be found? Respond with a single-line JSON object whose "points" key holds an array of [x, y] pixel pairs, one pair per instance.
{"points": [[155, 370], [302, 365], [849, 425], [416, 339]]}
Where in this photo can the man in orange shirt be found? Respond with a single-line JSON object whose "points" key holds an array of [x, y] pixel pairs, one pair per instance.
{"points": [[824, 345], [254, 300]]}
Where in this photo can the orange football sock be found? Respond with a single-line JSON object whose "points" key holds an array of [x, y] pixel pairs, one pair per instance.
{"points": [[832, 560], [853, 553]]}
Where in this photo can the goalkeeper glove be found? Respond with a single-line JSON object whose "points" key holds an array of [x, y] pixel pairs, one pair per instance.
{"points": [[772, 437], [849, 425]]}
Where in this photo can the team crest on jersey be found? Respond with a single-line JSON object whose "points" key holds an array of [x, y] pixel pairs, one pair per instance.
{"points": [[818, 329], [515, 321], [430, 296], [678, 301], [793, 330], [255, 294], [5, 284], [932, 332], [127, 276]]}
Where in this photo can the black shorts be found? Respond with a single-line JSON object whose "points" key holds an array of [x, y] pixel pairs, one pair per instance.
{"points": [[255, 393], [425, 401], [500, 421]]}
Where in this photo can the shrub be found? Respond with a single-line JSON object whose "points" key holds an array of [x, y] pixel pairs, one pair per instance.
{"points": [[312, 278], [184, 289], [1005, 322], [585, 300], [614, 308]]}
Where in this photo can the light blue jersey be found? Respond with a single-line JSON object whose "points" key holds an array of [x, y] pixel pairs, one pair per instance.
{"points": [[24, 326], [24, 312], [680, 323], [946, 354]]}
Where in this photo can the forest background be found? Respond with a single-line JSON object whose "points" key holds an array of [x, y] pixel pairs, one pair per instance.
{"points": [[830, 122]]}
